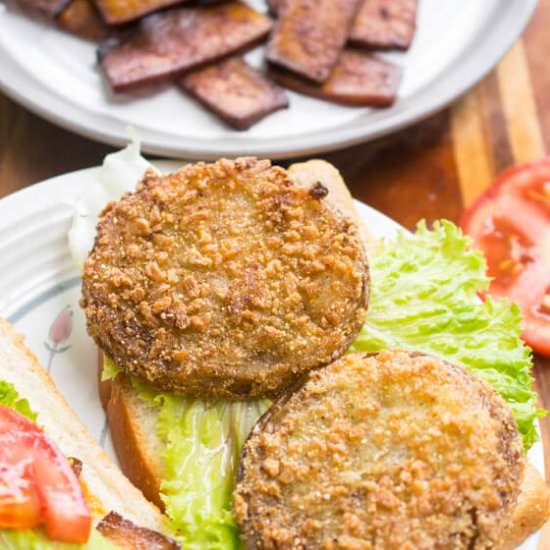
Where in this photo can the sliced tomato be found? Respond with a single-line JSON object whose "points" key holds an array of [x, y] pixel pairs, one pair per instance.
{"points": [[37, 484], [510, 222]]}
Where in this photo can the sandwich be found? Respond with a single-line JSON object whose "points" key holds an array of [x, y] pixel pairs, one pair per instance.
{"points": [[241, 306], [59, 490]]}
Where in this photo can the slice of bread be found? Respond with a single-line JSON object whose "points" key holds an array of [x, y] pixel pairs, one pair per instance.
{"points": [[132, 424], [110, 489]]}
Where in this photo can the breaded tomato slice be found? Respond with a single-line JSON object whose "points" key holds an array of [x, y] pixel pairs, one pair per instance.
{"points": [[224, 280], [392, 450]]}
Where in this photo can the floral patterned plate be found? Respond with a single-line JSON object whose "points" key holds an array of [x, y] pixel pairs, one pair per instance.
{"points": [[40, 290]]}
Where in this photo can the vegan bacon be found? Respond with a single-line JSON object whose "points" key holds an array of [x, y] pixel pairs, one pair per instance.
{"points": [[121, 11], [357, 79], [81, 18], [388, 24], [128, 536], [180, 39], [310, 34], [238, 94]]}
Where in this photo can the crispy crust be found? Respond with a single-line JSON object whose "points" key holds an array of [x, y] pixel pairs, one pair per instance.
{"points": [[358, 78], [260, 282], [430, 478], [237, 93]]}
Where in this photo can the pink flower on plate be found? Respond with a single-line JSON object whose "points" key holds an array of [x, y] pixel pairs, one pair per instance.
{"points": [[59, 333], [61, 328]]}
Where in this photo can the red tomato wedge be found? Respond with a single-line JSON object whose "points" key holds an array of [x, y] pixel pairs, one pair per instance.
{"points": [[37, 484], [510, 222]]}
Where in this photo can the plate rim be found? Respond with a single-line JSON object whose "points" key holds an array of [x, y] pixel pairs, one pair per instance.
{"points": [[468, 70]]}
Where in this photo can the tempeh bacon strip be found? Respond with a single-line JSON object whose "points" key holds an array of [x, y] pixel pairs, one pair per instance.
{"points": [[238, 94], [388, 24], [181, 39], [121, 11], [81, 18], [128, 536], [310, 34], [49, 8], [357, 79]]}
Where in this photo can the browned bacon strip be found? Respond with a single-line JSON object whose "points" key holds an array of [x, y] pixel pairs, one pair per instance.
{"points": [[180, 39], [357, 79], [310, 34], [234, 91], [128, 536], [49, 8], [389, 24], [80, 17], [121, 11]]}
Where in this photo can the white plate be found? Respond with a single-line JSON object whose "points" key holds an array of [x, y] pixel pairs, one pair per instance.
{"points": [[55, 75], [40, 289]]}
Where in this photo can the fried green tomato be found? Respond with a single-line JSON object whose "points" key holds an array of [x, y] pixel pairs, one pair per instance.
{"points": [[224, 280], [393, 450]]}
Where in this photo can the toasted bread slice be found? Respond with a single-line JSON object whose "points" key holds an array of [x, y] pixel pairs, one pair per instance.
{"points": [[531, 512], [109, 488], [133, 432]]}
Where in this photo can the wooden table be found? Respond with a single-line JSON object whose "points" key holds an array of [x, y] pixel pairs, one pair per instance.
{"points": [[430, 171]]}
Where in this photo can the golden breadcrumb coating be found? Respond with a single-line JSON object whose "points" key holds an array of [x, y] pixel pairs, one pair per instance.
{"points": [[224, 280], [393, 450]]}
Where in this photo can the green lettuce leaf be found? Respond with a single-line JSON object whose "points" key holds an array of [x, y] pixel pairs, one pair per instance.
{"points": [[424, 297], [110, 369], [10, 398], [201, 446]]}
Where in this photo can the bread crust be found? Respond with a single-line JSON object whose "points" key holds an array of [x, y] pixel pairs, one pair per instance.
{"points": [[139, 460], [136, 465], [532, 509]]}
